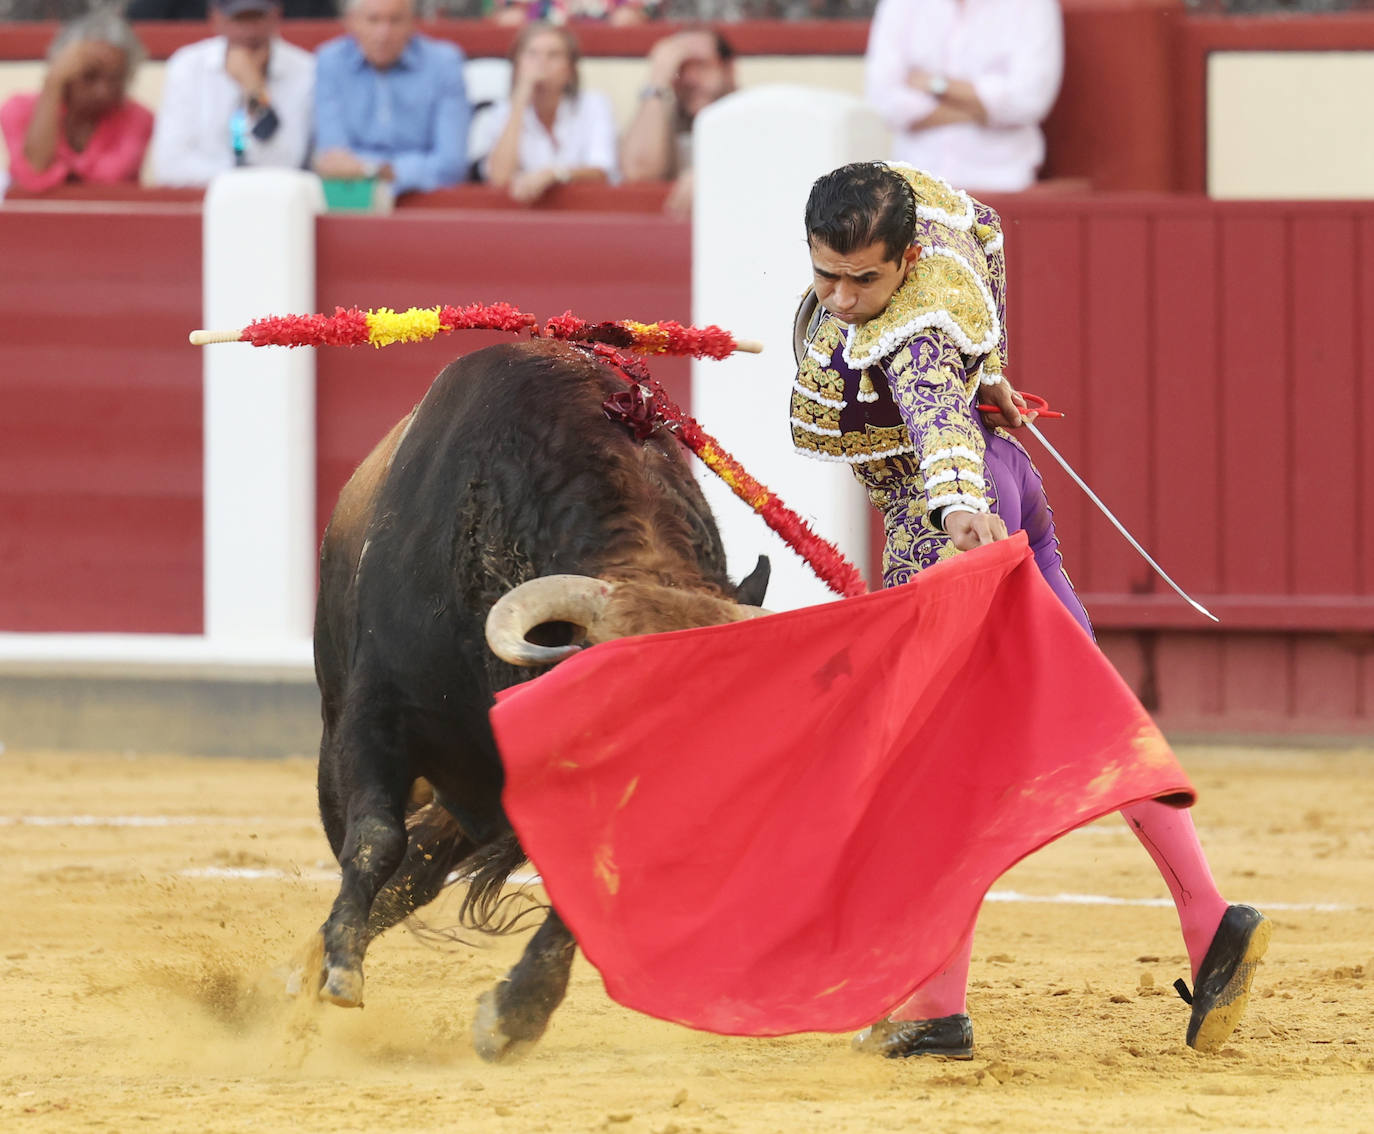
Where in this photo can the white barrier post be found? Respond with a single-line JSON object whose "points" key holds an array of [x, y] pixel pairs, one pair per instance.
{"points": [[756, 154], [259, 249]]}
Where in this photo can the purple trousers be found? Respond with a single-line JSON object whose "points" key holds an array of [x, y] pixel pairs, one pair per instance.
{"points": [[1019, 498], [912, 543]]}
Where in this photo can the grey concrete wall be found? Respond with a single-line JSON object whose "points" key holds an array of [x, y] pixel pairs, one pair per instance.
{"points": [[197, 716]]}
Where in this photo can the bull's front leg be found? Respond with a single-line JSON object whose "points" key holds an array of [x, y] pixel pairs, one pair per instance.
{"points": [[436, 845], [333, 971], [373, 848], [363, 790], [512, 1016]]}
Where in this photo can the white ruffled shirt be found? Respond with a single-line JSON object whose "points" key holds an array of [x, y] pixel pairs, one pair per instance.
{"points": [[1012, 51], [583, 135], [191, 134]]}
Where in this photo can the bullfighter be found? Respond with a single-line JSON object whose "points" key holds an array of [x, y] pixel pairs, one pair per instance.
{"points": [[900, 337]]}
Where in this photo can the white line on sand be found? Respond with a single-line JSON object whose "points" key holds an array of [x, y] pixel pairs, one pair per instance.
{"points": [[257, 820], [254, 873], [528, 878], [311, 874], [1104, 900], [135, 821]]}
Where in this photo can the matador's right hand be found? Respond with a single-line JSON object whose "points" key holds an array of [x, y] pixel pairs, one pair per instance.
{"points": [[1012, 412]]}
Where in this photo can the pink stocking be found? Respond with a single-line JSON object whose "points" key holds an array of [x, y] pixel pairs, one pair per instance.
{"points": [[1168, 834], [944, 994]]}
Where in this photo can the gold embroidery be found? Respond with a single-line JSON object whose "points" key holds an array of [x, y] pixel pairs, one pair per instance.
{"points": [[936, 193], [911, 542], [856, 446], [877, 440], [807, 442], [944, 284], [938, 361], [829, 334], [820, 380], [943, 295], [997, 282], [813, 413], [940, 292], [952, 242]]}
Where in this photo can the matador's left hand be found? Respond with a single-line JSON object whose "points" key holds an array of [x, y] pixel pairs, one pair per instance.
{"points": [[1010, 405], [967, 530]]}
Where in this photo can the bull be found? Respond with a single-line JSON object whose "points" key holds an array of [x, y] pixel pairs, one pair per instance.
{"points": [[501, 525]]}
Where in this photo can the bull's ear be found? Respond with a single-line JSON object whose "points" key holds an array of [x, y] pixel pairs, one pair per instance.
{"points": [[752, 587]]}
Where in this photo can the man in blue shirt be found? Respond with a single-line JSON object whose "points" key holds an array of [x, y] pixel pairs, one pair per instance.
{"points": [[390, 103]]}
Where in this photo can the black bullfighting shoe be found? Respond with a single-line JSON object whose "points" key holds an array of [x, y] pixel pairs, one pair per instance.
{"points": [[947, 1037], [1223, 978]]}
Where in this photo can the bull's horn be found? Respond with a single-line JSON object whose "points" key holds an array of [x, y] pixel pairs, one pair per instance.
{"points": [[579, 599], [741, 612]]}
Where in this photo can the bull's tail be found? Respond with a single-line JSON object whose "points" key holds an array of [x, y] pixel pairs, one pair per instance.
{"points": [[488, 906]]}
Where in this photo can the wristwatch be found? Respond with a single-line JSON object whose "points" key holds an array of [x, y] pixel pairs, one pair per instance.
{"points": [[652, 91], [937, 85]]}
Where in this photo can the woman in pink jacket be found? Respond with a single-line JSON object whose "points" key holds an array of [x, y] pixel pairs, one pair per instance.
{"points": [[80, 126]]}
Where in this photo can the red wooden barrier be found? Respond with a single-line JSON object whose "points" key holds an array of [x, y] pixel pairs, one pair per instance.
{"points": [[584, 196], [602, 266], [1214, 361], [481, 39], [100, 419], [1219, 377], [1211, 360], [1111, 123]]}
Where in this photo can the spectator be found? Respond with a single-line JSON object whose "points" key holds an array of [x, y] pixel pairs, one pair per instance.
{"points": [[80, 126], [390, 103], [617, 12], [688, 71], [965, 84], [548, 132], [196, 9], [63, 10], [240, 98]]}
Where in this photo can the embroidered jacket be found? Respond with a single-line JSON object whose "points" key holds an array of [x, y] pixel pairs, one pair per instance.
{"points": [[905, 382]]}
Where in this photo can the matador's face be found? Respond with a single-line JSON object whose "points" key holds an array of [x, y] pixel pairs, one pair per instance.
{"points": [[857, 286]]}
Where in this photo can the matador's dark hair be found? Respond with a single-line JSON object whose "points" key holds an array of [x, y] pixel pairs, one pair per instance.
{"points": [[860, 204]]}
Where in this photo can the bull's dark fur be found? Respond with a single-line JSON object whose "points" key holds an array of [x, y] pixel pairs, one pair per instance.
{"points": [[507, 470]]}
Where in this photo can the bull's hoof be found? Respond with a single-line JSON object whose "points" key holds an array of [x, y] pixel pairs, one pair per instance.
{"points": [[489, 1037], [303, 975], [343, 987]]}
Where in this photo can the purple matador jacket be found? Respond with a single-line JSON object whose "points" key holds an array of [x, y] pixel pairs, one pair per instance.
{"points": [[894, 397]]}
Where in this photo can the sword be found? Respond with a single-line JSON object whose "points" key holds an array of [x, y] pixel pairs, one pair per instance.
{"points": [[1042, 407]]}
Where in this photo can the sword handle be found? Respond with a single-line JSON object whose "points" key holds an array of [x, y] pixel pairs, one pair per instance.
{"points": [[1034, 404]]}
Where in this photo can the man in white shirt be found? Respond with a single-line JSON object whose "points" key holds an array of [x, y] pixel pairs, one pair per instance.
{"points": [[965, 84], [688, 71], [241, 98]]}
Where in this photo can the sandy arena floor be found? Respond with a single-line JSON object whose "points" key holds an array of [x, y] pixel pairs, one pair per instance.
{"points": [[146, 901]]}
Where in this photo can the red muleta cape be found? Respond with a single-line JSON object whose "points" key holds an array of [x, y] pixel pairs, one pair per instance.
{"points": [[788, 824]]}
